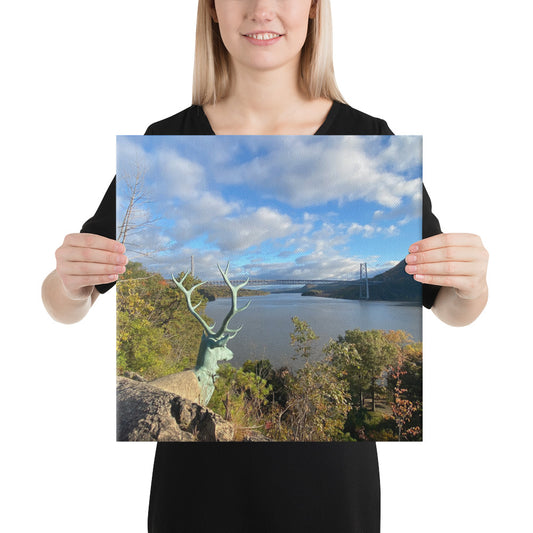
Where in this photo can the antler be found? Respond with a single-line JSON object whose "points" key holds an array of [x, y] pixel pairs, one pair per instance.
{"points": [[223, 330], [192, 308]]}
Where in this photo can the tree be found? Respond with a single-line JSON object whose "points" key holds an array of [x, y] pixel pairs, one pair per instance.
{"points": [[344, 356], [156, 334], [404, 382], [403, 408], [410, 353], [316, 397], [318, 403], [376, 354], [133, 206], [241, 396], [141, 347], [302, 338]]}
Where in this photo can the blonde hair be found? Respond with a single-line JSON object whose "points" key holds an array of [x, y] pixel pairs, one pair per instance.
{"points": [[212, 65]]}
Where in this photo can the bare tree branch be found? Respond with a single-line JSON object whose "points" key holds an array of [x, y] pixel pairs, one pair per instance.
{"points": [[137, 217]]}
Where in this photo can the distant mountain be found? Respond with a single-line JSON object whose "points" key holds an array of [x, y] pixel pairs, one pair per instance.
{"points": [[393, 285], [398, 285]]}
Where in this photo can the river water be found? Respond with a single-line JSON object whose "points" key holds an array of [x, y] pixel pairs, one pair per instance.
{"points": [[267, 323]]}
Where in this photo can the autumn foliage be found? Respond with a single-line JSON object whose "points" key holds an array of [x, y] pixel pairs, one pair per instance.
{"points": [[366, 386]]}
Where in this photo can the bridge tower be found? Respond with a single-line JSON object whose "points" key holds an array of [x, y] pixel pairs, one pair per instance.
{"points": [[364, 292]]}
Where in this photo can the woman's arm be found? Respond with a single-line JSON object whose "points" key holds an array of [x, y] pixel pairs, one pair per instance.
{"points": [[82, 261], [458, 263], [61, 306]]}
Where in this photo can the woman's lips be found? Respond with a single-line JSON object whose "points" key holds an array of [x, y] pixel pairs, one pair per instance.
{"points": [[263, 38]]}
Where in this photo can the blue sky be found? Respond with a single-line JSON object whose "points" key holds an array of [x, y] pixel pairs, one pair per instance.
{"points": [[276, 207]]}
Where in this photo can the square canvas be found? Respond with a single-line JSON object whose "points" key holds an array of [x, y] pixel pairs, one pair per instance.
{"points": [[265, 297]]}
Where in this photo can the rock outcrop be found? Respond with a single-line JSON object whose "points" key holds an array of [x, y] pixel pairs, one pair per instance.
{"points": [[184, 384], [148, 413]]}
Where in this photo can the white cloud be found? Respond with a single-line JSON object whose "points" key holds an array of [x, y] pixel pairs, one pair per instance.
{"points": [[129, 152], [305, 172], [191, 220], [250, 229], [369, 231], [178, 177], [361, 229], [299, 171], [402, 154]]}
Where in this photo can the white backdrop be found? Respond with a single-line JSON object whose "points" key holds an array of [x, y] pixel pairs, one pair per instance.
{"points": [[77, 74]]}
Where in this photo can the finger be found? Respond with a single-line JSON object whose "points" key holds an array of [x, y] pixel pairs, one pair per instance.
{"points": [[97, 242], [447, 268], [444, 240], [72, 268], [461, 283], [74, 283], [89, 255], [450, 253]]}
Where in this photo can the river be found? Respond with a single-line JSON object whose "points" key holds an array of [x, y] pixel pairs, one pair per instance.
{"points": [[267, 323]]}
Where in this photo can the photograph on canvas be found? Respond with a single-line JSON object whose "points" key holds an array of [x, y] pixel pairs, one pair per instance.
{"points": [[265, 298]]}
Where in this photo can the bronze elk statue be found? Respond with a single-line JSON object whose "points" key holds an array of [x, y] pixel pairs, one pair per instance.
{"points": [[213, 345]]}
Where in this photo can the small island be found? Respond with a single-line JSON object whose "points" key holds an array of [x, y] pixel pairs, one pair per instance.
{"points": [[212, 292]]}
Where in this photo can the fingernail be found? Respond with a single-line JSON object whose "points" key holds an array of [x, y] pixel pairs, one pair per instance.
{"points": [[411, 258], [419, 277], [411, 269], [413, 248]]}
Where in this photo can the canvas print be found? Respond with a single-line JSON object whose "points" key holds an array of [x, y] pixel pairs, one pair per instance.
{"points": [[265, 298]]}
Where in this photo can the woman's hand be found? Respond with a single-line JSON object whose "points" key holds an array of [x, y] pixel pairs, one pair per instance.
{"points": [[85, 260], [457, 260], [458, 263]]}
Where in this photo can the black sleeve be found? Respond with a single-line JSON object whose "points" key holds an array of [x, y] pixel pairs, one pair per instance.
{"points": [[383, 127], [103, 222], [430, 227]]}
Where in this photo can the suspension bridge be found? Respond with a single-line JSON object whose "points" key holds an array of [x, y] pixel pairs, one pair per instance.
{"points": [[364, 290]]}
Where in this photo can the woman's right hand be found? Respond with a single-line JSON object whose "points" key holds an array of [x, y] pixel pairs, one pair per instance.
{"points": [[85, 260]]}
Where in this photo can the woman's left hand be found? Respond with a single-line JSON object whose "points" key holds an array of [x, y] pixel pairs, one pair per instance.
{"points": [[457, 260]]}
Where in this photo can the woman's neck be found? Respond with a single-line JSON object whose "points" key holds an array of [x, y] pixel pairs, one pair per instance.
{"points": [[266, 103], [266, 92]]}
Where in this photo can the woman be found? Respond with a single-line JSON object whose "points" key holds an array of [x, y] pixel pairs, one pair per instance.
{"points": [[265, 67]]}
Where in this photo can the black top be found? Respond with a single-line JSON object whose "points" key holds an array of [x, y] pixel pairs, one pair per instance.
{"points": [[273, 487]]}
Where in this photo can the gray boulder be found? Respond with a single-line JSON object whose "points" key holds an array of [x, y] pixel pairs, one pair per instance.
{"points": [[184, 384], [147, 413]]}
